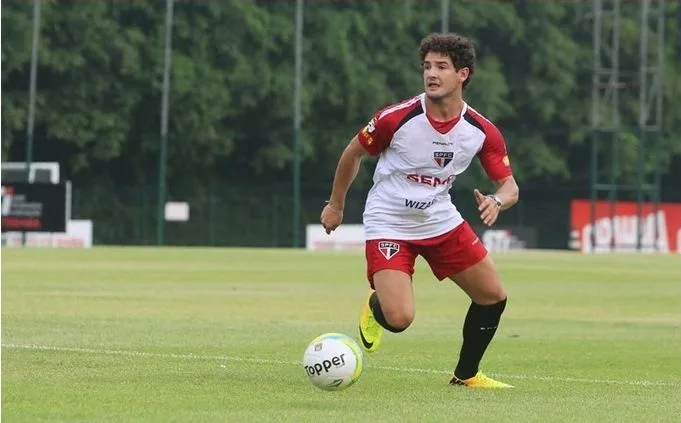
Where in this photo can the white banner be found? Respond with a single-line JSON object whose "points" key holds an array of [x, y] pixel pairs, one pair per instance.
{"points": [[346, 237], [351, 237], [78, 234]]}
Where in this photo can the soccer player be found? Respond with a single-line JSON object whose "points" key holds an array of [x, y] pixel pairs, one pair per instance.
{"points": [[423, 144]]}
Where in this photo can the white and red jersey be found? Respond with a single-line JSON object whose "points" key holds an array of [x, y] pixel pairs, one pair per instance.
{"points": [[419, 159]]}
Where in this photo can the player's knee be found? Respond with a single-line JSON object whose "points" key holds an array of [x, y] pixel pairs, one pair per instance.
{"points": [[498, 295], [399, 320], [491, 296]]}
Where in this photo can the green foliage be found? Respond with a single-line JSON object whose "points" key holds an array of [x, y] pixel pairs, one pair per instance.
{"points": [[231, 99]]}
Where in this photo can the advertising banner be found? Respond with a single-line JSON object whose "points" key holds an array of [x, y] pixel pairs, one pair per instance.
{"points": [[33, 207], [660, 229], [507, 238]]}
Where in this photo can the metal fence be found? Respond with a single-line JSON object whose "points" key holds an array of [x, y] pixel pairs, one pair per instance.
{"points": [[242, 216]]}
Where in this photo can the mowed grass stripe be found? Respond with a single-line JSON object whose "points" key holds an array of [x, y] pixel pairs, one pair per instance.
{"points": [[190, 356]]}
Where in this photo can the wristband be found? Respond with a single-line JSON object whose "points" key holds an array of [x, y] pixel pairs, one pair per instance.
{"points": [[329, 205]]}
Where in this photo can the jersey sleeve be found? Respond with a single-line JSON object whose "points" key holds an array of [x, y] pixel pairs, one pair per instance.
{"points": [[493, 155], [376, 136]]}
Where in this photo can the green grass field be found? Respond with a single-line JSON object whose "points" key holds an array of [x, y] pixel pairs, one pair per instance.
{"points": [[216, 335]]}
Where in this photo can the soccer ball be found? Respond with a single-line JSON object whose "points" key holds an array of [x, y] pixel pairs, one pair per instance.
{"points": [[333, 361]]}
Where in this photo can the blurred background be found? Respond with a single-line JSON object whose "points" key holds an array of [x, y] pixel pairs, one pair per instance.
{"points": [[220, 123]]}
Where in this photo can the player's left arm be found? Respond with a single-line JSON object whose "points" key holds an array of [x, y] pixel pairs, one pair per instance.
{"points": [[507, 192], [506, 195], [495, 161]]}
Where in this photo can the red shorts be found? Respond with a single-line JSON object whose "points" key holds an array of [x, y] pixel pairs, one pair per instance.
{"points": [[447, 254]]}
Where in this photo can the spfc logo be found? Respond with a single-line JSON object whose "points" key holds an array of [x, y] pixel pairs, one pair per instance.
{"points": [[388, 249], [442, 158]]}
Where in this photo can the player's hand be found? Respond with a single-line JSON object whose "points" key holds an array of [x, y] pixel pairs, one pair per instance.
{"points": [[488, 208], [331, 218]]}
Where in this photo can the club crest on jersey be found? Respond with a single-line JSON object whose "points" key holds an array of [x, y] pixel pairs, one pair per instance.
{"points": [[442, 158], [388, 249]]}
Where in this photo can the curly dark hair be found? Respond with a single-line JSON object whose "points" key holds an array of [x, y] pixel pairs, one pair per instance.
{"points": [[459, 48]]}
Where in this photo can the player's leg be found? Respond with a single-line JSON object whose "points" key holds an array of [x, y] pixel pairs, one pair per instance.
{"points": [[390, 304], [488, 301], [464, 259]]}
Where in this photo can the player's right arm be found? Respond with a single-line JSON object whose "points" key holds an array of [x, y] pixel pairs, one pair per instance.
{"points": [[373, 139], [346, 172]]}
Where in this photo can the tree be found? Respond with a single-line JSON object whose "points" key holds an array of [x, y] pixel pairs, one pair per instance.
{"points": [[231, 99]]}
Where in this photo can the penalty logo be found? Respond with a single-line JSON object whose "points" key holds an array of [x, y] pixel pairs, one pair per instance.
{"points": [[388, 249], [368, 130], [442, 158]]}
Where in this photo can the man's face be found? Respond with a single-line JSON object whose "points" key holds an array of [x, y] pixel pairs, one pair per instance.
{"points": [[440, 78]]}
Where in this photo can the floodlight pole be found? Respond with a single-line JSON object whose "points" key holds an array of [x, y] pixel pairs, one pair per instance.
{"points": [[163, 149], [31, 97], [444, 17], [297, 121], [32, 89]]}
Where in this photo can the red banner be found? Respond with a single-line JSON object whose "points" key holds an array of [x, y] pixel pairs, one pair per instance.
{"points": [[660, 229]]}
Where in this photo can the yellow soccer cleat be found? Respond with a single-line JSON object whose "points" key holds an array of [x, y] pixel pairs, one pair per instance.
{"points": [[479, 381], [370, 331]]}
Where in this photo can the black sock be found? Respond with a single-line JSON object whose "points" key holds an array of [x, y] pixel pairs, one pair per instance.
{"points": [[378, 314], [478, 330]]}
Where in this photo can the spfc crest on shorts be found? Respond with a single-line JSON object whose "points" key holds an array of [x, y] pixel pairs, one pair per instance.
{"points": [[388, 249], [442, 158]]}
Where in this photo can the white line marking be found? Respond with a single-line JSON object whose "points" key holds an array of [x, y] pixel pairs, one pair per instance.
{"points": [[191, 356]]}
